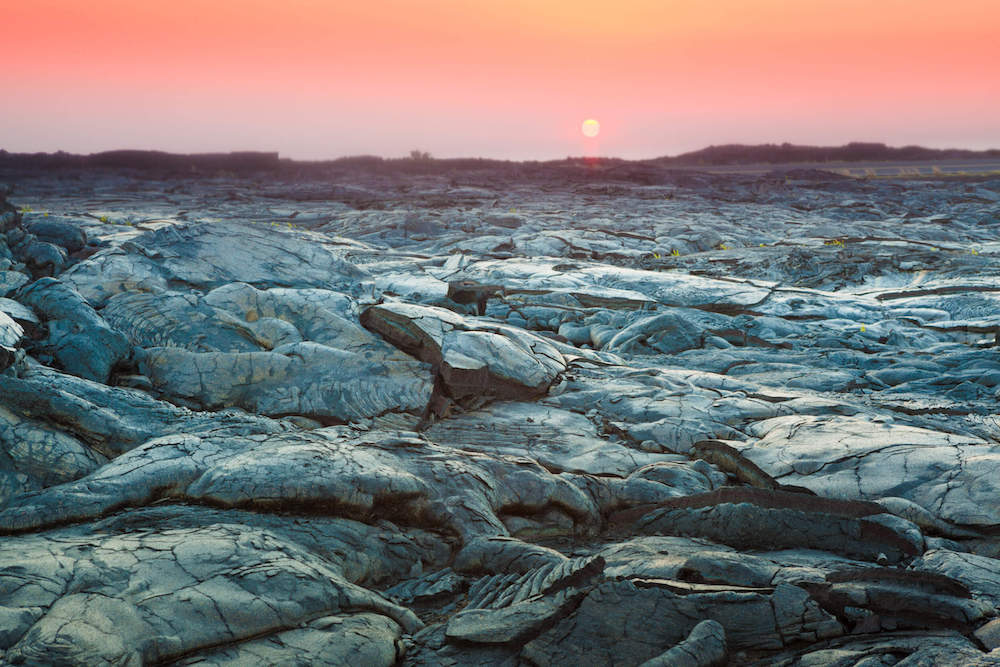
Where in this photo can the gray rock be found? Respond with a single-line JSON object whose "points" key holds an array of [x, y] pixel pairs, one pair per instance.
{"points": [[668, 333], [500, 554], [875, 599], [10, 331], [11, 334], [360, 638], [900, 648], [766, 403], [304, 378], [274, 352], [500, 591], [851, 457], [989, 634], [63, 234], [473, 360], [705, 646], [112, 420], [428, 588], [153, 597], [40, 257], [509, 624], [9, 217], [10, 281], [34, 455], [206, 256], [752, 519], [750, 620], [21, 314], [558, 439], [175, 319], [979, 573], [78, 338], [332, 468]]}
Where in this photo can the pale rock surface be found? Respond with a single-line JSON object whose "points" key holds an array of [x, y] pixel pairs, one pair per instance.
{"points": [[475, 413]]}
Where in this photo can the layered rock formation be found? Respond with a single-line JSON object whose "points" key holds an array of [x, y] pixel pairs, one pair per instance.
{"points": [[596, 416]]}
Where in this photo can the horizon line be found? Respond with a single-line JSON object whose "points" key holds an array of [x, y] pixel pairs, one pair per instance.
{"points": [[420, 154]]}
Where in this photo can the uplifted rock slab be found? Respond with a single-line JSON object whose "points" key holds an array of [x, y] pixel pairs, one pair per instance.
{"points": [[473, 359], [957, 478]]}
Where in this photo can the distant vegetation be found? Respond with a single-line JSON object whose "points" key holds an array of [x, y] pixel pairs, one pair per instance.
{"points": [[785, 153], [238, 161], [422, 161]]}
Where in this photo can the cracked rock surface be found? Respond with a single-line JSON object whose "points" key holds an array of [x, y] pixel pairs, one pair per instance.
{"points": [[529, 415]]}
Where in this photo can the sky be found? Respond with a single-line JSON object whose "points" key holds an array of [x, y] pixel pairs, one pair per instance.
{"points": [[510, 79]]}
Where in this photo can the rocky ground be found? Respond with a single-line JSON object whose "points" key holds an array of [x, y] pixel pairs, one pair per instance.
{"points": [[510, 416]]}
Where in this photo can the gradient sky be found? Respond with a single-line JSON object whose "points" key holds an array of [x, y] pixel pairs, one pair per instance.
{"points": [[509, 79]]}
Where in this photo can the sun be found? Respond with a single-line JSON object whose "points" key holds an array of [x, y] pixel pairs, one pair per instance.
{"points": [[590, 128]]}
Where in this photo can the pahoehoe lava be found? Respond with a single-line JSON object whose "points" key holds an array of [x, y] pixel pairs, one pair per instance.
{"points": [[497, 414]]}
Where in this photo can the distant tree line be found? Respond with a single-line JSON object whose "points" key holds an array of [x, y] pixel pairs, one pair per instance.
{"points": [[237, 161], [418, 161], [852, 152]]}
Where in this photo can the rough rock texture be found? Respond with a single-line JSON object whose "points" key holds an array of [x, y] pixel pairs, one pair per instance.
{"points": [[120, 600], [751, 620], [704, 647], [334, 469], [79, 340], [471, 361], [10, 336], [956, 477], [273, 352], [550, 414], [753, 525]]}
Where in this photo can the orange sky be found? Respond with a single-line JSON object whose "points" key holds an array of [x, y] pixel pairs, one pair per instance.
{"points": [[509, 79]]}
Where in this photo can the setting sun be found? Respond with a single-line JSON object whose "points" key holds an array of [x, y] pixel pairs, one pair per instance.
{"points": [[590, 127]]}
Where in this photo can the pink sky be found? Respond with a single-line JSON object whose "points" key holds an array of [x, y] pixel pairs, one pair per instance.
{"points": [[501, 78]]}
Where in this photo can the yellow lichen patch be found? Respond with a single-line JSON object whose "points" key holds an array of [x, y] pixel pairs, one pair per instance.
{"points": [[252, 316]]}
